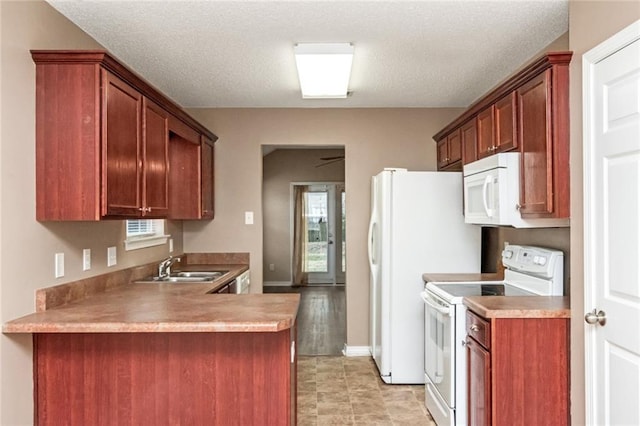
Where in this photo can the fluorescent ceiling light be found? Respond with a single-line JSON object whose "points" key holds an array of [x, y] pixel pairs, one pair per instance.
{"points": [[324, 69]]}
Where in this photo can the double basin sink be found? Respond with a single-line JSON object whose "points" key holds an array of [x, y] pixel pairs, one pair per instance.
{"points": [[187, 277]]}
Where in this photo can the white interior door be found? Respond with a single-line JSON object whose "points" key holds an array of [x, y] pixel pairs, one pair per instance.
{"points": [[612, 231]]}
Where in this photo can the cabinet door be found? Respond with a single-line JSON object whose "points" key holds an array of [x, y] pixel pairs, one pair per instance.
{"points": [[443, 152], [485, 132], [469, 142], [479, 384], [505, 121], [155, 189], [121, 148], [454, 147], [184, 177], [207, 155], [536, 168]]}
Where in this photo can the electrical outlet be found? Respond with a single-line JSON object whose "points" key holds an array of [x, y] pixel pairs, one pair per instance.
{"points": [[248, 218], [59, 265], [86, 259], [111, 256], [272, 267], [170, 245]]}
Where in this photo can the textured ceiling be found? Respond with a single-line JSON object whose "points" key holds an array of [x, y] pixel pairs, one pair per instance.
{"points": [[240, 53]]}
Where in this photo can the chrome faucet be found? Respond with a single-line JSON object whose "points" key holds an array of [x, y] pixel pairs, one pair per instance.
{"points": [[164, 269]]}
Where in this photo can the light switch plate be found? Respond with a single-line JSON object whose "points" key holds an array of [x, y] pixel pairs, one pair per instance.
{"points": [[111, 256], [170, 245], [59, 265], [86, 259], [248, 218]]}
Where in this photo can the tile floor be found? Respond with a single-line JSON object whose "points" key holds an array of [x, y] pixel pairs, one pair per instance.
{"points": [[335, 390]]}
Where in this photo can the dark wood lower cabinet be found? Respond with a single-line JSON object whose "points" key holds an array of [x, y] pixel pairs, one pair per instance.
{"points": [[165, 378], [519, 375], [479, 376]]}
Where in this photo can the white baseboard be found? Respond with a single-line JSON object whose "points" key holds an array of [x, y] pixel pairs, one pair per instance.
{"points": [[356, 350], [276, 284]]}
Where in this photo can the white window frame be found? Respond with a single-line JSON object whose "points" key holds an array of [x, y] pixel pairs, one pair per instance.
{"points": [[155, 237]]}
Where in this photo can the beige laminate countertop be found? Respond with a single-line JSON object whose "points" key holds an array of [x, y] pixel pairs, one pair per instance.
{"points": [[519, 306], [167, 307]]}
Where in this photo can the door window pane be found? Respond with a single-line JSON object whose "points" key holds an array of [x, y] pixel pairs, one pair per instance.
{"points": [[316, 258]]}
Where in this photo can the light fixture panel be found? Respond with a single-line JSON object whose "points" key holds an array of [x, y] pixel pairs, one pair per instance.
{"points": [[324, 69]]}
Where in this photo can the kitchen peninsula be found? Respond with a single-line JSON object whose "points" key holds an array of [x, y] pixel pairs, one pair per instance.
{"points": [[149, 353]]}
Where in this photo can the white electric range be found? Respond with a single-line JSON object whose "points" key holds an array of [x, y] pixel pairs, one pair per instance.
{"points": [[529, 271]]}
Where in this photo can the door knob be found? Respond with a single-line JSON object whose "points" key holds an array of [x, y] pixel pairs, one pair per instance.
{"points": [[596, 318]]}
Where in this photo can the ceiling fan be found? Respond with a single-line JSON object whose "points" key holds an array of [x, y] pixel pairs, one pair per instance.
{"points": [[330, 160]]}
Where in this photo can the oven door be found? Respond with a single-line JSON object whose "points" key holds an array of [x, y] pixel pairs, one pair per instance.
{"points": [[438, 354]]}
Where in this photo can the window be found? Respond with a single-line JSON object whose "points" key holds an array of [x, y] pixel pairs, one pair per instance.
{"points": [[143, 233]]}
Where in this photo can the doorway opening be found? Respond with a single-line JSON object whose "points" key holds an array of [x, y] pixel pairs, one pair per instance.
{"points": [[318, 233], [318, 173]]}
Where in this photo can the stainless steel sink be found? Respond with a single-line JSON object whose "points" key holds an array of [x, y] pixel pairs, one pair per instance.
{"points": [[186, 277], [198, 274]]}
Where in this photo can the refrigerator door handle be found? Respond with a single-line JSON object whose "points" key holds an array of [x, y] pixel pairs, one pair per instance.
{"points": [[372, 260]]}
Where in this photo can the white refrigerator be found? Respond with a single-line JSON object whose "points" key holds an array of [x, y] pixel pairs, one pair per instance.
{"points": [[416, 227]]}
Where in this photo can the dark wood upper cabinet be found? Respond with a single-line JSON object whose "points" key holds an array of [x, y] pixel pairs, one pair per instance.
{"points": [[450, 152], [486, 131], [207, 165], [506, 124], [155, 160], [184, 178], [102, 139], [135, 162], [529, 113], [544, 142], [469, 141], [121, 147], [497, 127]]}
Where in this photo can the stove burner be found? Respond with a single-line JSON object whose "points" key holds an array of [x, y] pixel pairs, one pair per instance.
{"points": [[492, 290]]}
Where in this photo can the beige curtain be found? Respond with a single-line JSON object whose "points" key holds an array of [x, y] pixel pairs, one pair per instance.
{"points": [[300, 236]]}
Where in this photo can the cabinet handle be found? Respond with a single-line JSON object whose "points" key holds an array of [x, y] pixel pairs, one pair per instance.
{"points": [[142, 209], [148, 209], [474, 327]]}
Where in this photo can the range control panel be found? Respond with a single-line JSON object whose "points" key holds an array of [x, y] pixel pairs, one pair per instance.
{"points": [[538, 261]]}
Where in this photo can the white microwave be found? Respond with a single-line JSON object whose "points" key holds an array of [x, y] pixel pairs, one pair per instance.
{"points": [[492, 193]]}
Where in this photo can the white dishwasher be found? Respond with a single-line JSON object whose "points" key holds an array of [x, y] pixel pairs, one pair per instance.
{"points": [[243, 282]]}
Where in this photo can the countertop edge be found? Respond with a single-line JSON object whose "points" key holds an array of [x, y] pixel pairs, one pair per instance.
{"points": [[519, 306], [116, 327]]}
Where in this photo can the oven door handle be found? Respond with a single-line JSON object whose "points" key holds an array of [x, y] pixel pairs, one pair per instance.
{"points": [[429, 301]]}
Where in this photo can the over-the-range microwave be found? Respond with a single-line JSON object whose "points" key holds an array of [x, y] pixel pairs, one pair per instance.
{"points": [[492, 193]]}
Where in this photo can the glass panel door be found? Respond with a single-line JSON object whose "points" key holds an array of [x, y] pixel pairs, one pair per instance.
{"points": [[320, 256]]}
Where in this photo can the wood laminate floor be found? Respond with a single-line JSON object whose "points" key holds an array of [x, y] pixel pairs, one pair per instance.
{"points": [[321, 318]]}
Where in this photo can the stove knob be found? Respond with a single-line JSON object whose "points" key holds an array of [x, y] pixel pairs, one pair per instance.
{"points": [[508, 254], [536, 260], [542, 260]]}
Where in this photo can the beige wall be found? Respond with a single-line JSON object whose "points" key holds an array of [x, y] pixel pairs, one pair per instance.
{"points": [[280, 168], [373, 139], [590, 23], [28, 247]]}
